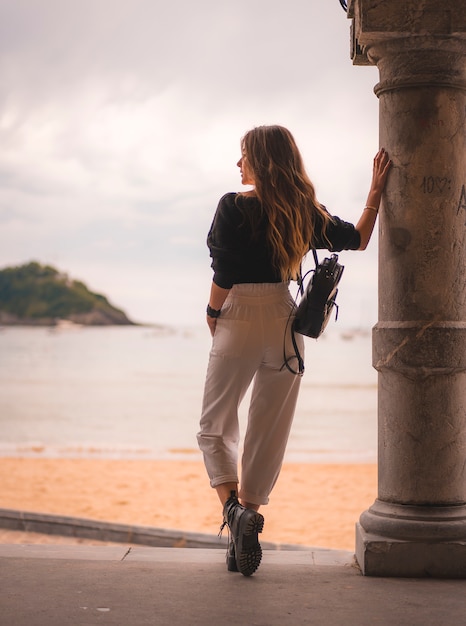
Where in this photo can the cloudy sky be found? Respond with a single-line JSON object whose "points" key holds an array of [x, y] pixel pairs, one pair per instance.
{"points": [[120, 124]]}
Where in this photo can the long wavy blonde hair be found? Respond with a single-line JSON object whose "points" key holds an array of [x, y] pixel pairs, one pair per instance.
{"points": [[285, 193]]}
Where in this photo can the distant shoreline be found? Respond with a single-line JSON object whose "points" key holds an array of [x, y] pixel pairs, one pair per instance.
{"points": [[65, 324], [92, 318]]}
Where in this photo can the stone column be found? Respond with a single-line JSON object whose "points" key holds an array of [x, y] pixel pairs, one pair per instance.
{"points": [[417, 525]]}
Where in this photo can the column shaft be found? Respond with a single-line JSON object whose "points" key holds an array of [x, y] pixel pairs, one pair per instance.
{"points": [[417, 525]]}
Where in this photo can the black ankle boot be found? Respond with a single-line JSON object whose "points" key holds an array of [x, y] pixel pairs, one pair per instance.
{"points": [[245, 525], [231, 553], [231, 557]]}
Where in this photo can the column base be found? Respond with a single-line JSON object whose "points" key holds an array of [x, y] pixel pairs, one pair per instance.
{"points": [[412, 541], [381, 556]]}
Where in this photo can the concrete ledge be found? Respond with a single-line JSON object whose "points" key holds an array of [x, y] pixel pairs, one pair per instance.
{"points": [[307, 558], [117, 533]]}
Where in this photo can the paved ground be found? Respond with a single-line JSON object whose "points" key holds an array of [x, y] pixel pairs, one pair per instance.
{"points": [[86, 585]]}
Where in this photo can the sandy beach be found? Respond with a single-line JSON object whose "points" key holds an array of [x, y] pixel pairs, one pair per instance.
{"points": [[312, 505]]}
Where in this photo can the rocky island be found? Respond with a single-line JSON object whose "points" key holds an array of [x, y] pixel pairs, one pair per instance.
{"points": [[40, 295]]}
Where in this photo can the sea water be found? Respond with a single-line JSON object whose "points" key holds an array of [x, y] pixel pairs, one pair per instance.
{"points": [[136, 392]]}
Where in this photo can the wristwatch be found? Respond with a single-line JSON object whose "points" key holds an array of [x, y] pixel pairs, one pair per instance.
{"points": [[213, 312]]}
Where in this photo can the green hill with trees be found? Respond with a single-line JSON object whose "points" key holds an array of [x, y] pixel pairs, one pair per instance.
{"points": [[36, 294]]}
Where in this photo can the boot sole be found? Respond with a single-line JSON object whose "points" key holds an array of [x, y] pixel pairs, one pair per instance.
{"points": [[248, 548]]}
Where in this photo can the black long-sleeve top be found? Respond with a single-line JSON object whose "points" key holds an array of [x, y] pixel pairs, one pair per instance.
{"points": [[240, 256]]}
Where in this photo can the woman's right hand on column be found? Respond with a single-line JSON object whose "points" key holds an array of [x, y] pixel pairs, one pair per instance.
{"points": [[380, 171]]}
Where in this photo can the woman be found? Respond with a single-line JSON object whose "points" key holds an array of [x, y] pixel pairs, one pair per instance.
{"points": [[257, 241]]}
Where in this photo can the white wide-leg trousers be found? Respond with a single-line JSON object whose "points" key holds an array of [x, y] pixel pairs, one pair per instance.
{"points": [[248, 346]]}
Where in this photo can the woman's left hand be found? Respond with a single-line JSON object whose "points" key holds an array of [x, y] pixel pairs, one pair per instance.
{"points": [[212, 324]]}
